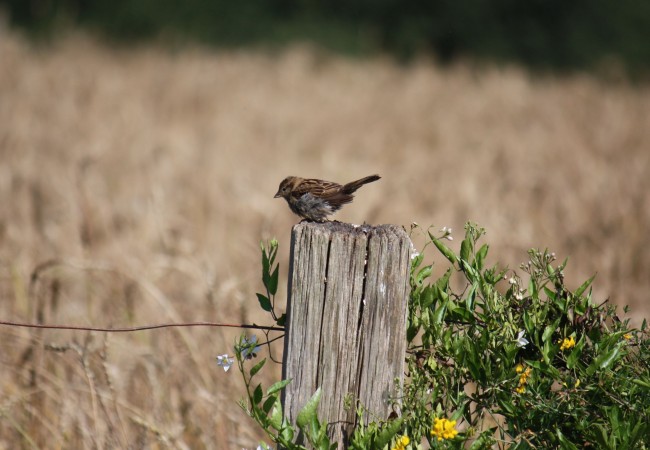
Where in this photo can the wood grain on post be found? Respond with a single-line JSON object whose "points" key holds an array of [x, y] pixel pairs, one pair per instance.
{"points": [[346, 321]]}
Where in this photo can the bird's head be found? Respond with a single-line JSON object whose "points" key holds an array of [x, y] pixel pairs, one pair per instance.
{"points": [[287, 185]]}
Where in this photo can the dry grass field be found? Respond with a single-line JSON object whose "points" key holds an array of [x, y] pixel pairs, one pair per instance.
{"points": [[136, 185]]}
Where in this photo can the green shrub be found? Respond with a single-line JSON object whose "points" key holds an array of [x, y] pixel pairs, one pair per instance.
{"points": [[496, 359], [521, 360]]}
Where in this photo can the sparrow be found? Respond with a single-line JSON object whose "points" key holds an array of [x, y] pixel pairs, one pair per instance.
{"points": [[314, 199]]}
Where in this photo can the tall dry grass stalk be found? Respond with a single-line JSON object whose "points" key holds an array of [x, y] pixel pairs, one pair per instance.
{"points": [[143, 180]]}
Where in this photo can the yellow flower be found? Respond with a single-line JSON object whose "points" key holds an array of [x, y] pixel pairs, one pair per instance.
{"points": [[523, 378], [577, 383], [627, 336], [568, 343], [401, 443], [444, 429]]}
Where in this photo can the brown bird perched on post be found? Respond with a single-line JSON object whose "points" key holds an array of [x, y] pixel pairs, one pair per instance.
{"points": [[314, 199]]}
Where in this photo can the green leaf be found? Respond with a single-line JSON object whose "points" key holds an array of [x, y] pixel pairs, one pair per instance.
{"points": [[275, 387], [533, 289], [268, 403], [549, 270], [417, 261], [273, 281], [256, 368], [266, 278], [315, 433], [443, 281], [465, 249], [258, 394], [614, 418], [386, 434], [273, 251], [427, 297], [480, 257], [323, 441], [308, 412], [548, 350], [265, 303], [550, 329], [583, 286], [638, 432], [281, 320], [276, 417], [472, 274], [565, 444], [528, 322], [266, 264], [608, 358], [471, 295], [472, 360], [412, 330], [543, 314], [287, 432], [505, 403], [499, 276], [642, 383], [423, 274], [446, 251], [560, 302], [425, 319], [601, 437], [439, 314], [550, 294]]}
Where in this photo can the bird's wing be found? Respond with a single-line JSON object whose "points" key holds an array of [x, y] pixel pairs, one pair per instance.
{"points": [[317, 188]]}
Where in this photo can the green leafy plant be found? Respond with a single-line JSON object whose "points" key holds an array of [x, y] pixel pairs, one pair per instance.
{"points": [[521, 363], [265, 406], [496, 359], [266, 409], [270, 276]]}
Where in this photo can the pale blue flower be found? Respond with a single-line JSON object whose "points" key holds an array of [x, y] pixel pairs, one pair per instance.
{"points": [[225, 361], [249, 346]]}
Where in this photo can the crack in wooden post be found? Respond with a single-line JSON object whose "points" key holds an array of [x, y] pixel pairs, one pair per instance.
{"points": [[346, 321]]}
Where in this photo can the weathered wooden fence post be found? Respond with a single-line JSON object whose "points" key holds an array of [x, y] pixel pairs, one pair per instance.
{"points": [[346, 326]]}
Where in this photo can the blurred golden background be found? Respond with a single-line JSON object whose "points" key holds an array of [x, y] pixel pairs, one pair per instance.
{"points": [[143, 178]]}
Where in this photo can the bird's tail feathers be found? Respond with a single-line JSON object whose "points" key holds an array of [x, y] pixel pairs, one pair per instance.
{"points": [[352, 186]]}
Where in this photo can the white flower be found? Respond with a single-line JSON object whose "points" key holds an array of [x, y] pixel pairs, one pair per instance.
{"points": [[225, 361], [446, 233], [521, 340]]}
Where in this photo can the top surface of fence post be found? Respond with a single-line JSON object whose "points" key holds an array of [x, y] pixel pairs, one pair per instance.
{"points": [[346, 321]]}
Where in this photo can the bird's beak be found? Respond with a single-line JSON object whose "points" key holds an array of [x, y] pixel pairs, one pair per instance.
{"points": [[277, 195]]}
